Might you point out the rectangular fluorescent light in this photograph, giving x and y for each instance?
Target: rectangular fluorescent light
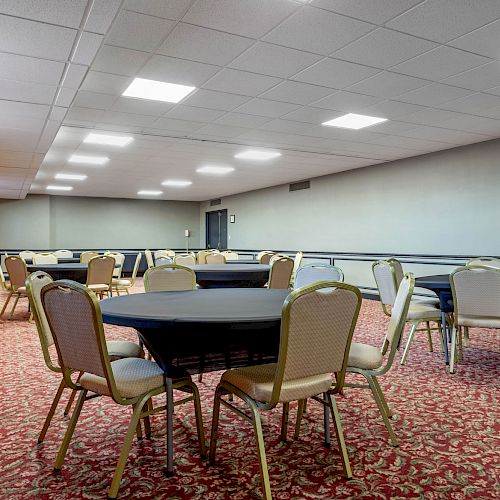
(145, 192)
(213, 169)
(174, 183)
(59, 188)
(157, 91)
(70, 177)
(255, 154)
(354, 121)
(91, 160)
(108, 140)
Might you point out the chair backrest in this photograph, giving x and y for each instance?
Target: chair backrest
(26, 254)
(86, 256)
(185, 259)
(317, 271)
(317, 325)
(297, 261)
(63, 254)
(484, 261)
(3, 283)
(215, 258)
(261, 253)
(169, 278)
(385, 278)
(476, 296)
(164, 253)
(202, 254)
(398, 270)
(230, 255)
(265, 258)
(149, 259)
(100, 270)
(161, 261)
(44, 258)
(34, 284)
(281, 272)
(135, 270)
(119, 260)
(16, 267)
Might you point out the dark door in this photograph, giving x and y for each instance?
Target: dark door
(216, 223)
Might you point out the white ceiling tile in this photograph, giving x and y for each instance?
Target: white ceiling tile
(241, 82)
(141, 106)
(494, 90)
(30, 38)
(375, 11)
(64, 97)
(172, 70)
(57, 113)
(189, 113)
(253, 19)
(405, 142)
(433, 94)
(312, 115)
(334, 73)
(26, 91)
(383, 48)
(138, 31)
(274, 60)
(215, 100)
(105, 83)
(346, 101)
(433, 117)
(23, 110)
(391, 109)
(169, 9)
(440, 63)
(387, 84)
(22, 123)
(297, 92)
(86, 99)
(119, 61)
(30, 69)
(317, 31)
(87, 48)
(456, 137)
(241, 120)
(475, 104)
(74, 76)
(393, 127)
(264, 107)
(216, 130)
(177, 125)
(289, 126)
(442, 20)
(84, 114)
(102, 14)
(203, 44)
(481, 78)
(484, 41)
(475, 124)
(119, 118)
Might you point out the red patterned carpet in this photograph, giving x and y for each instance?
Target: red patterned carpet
(447, 425)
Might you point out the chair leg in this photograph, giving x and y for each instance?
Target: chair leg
(14, 307)
(326, 420)
(429, 336)
(69, 431)
(466, 336)
(170, 426)
(52, 410)
(340, 436)
(460, 346)
(381, 407)
(382, 397)
(301, 408)
(147, 421)
(440, 327)
(215, 426)
(408, 342)
(199, 421)
(453, 349)
(138, 429)
(284, 421)
(5, 304)
(261, 452)
(69, 404)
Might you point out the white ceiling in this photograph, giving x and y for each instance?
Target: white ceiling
(267, 72)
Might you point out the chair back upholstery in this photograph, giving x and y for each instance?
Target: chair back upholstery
(317, 271)
(385, 278)
(63, 254)
(281, 272)
(185, 259)
(34, 284)
(265, 258)
(44, 258)
(476, 296)
(164, 253)
(86, 256)
(161, 261)
(484, 261)
(26, 254)
(169, 278)
(100, 270)
(16, 267)
(202, 254)
(398, 270)
(215, 258)
(149, 259)
(230, 255)
(119, 260)
(297, 261)
(3, 284)
(135, 270)
(317, 325)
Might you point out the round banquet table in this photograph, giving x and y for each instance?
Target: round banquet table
(61, 260)
(71, 271)
(231, 276)
(203, 330)
(243, 261)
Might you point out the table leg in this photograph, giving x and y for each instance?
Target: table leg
(170, 426)
(444, 333)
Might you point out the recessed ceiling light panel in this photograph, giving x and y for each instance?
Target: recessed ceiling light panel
(354, 121)
(214, 169)
(176, 183)
(157, 91)
(109, 140)
(59, 188)
(146, 192)
(90, 160)
(70, 177)
(256, 154)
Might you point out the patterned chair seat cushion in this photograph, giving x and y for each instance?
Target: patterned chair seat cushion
(118, 349)
(364, 356)
(421, 311)
(99, 287)
(121, 282)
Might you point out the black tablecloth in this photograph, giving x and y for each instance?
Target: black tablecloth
(69, 271)
(203, 330)
(440, 284)
(61, 260)
(243, 261)
(231, 276)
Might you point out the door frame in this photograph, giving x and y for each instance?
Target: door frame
(206, 224)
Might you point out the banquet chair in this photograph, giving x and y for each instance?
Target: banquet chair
(86, 256)
(164, 253)
(45, 258)
(128, 382)
(418, 311)
(16, 267)
(215, 258)
(63, 254)
(281, 271)
(149, 259)
(202, 254)
(169, 278)
(297, 261)
(185, 259)
(161, 261)
(317, 271)
(484, 261)
(3, 282)
(119, 261)
(27, 254)
(100, 275)
(476, 299)
(230, 255)
(265, 258)
(316, 331)
(117, 349)
(125, 284)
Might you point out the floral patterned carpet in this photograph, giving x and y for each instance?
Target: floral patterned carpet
(447, 426)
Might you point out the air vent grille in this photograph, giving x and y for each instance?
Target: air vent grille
(297, 186)
(216, 202)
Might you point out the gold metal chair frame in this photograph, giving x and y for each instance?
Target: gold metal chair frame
(16, 291)
(119, 285)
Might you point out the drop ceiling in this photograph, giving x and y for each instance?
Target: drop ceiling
(267, 74)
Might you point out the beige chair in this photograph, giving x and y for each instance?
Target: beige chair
(81, 347)
(44, 258)
(63, 254)
(164, 253)
(16, 267)
(386, 275)
(281, 272)
(149, 259)
(3, 282)
(117, 349)
(230, 255)
(476, 300)
(185, 259)
(316, 331)
(317, 271)
(100, 275)
(215, 258)
(27, 255)
(123, 284)
(161, 261)
(169, 278)
(484, 261)
(297, 261)
(119, 261)
(86, 256)
(202, 254)
(265, 257)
